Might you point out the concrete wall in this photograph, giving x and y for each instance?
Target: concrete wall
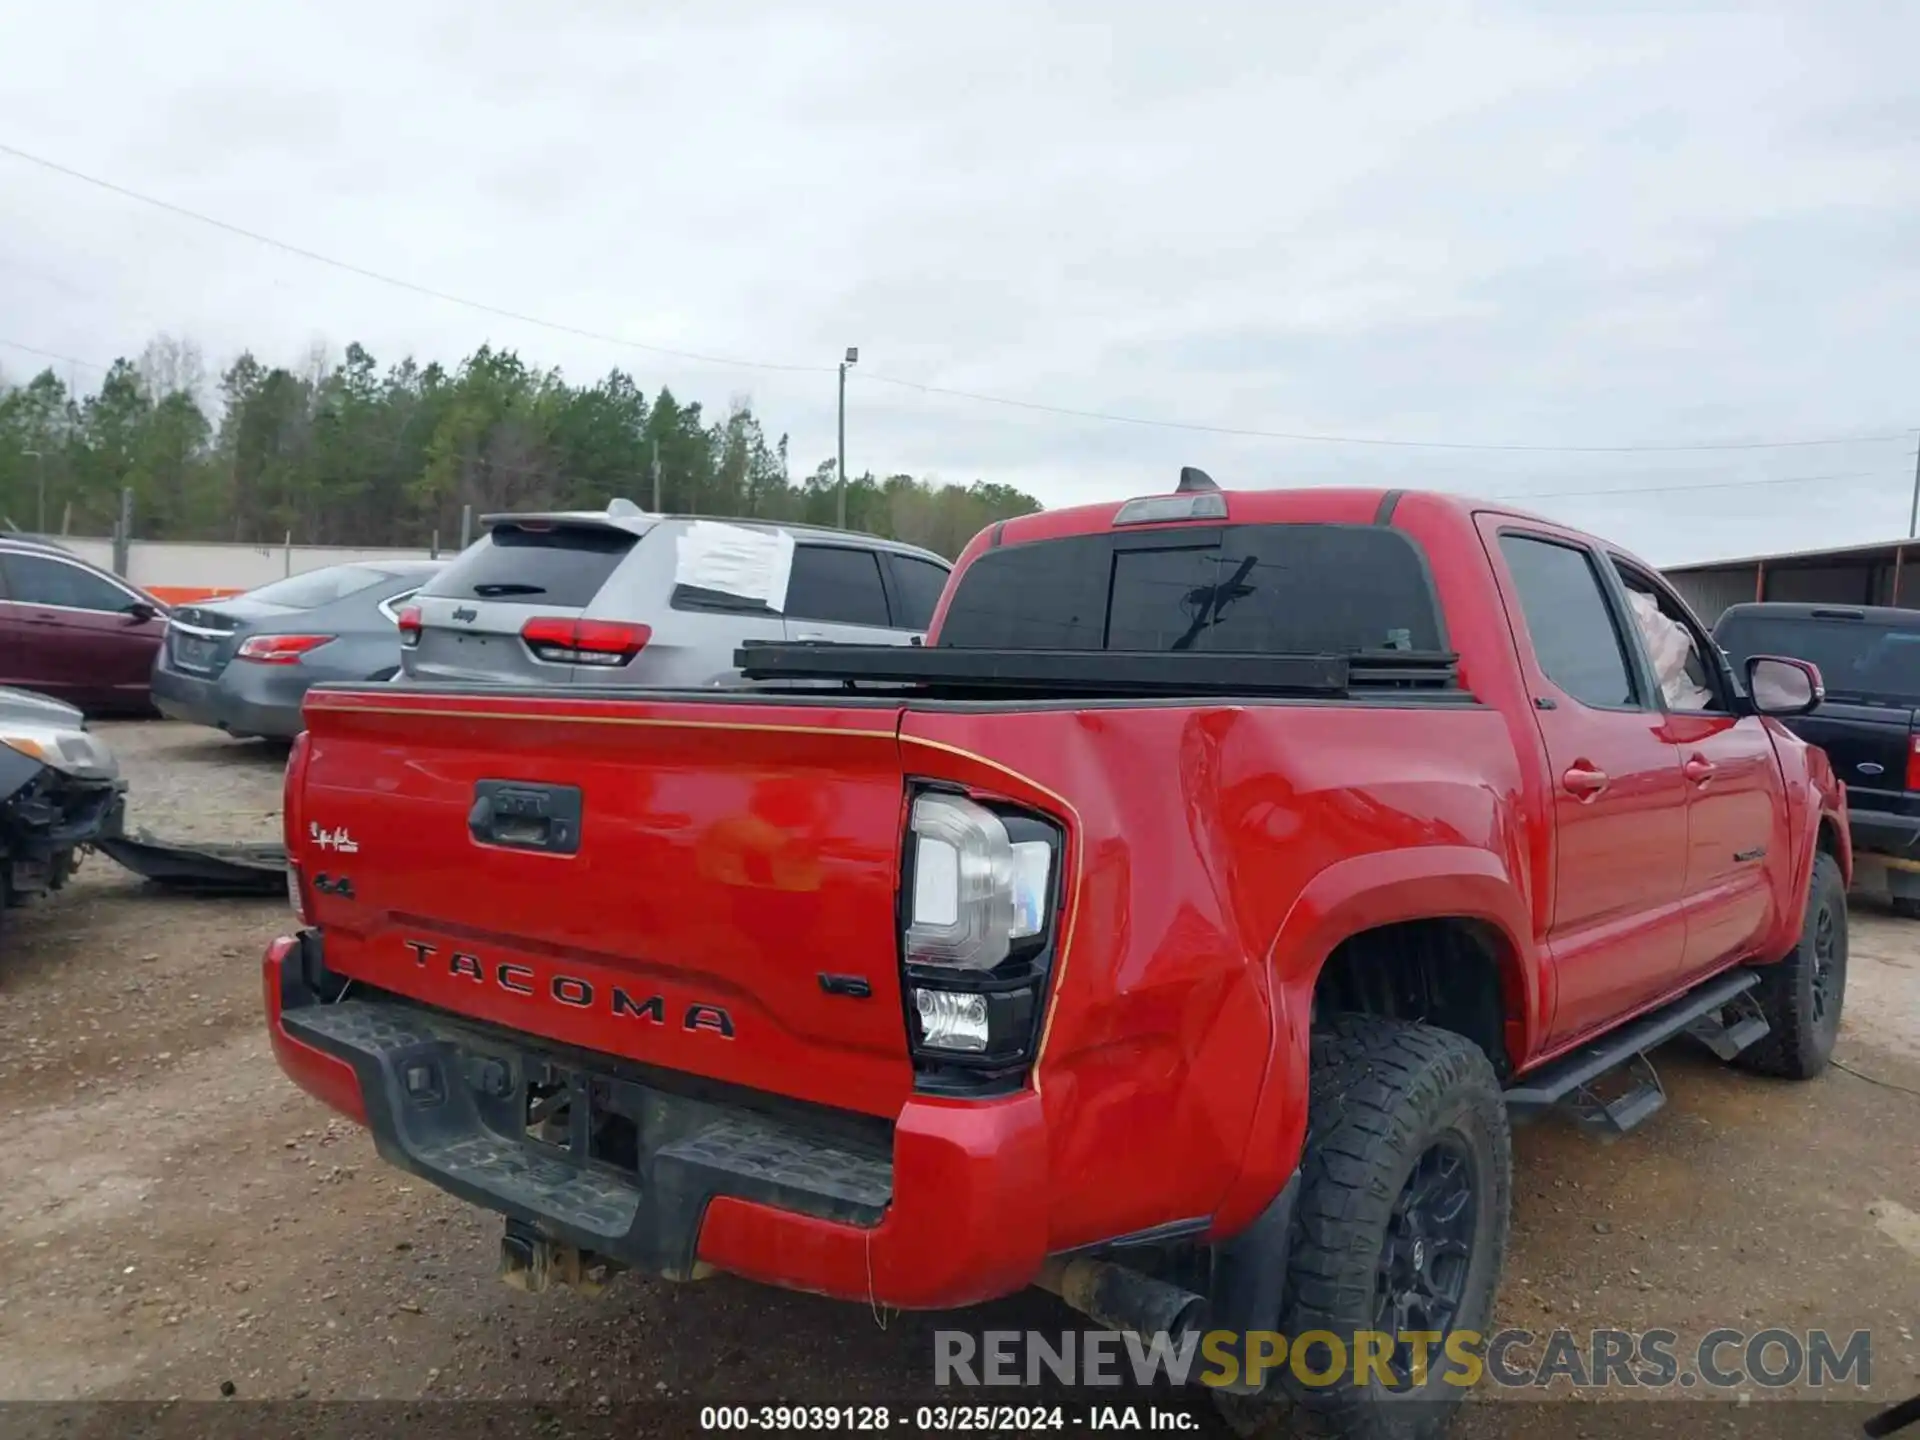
(175, 571)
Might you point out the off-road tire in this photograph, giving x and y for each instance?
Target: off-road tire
(1802, 995)
(1385, 1095)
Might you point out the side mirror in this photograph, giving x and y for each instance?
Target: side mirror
(140, 612)
(1780, 686)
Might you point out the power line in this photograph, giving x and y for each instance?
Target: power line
(53, 355)
(427, 290)
(977, 397)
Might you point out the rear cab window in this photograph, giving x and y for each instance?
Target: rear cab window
(558, 565)
(1279, 588)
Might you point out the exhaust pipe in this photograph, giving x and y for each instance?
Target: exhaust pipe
(1122, 1299)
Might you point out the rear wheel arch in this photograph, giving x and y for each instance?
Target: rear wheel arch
(1442, 900)
(1452, 972)
(1454, 900)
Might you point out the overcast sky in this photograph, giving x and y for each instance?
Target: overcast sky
(1549, 224)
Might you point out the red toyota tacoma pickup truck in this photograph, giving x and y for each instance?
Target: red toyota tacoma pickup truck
(1180, 928)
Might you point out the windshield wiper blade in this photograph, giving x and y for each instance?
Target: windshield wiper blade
(501, 588)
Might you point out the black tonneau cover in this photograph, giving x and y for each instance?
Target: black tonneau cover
(1100, 672)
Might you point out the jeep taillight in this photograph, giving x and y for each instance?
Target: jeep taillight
(978, 901)
(292, 823)
(408, 623)
(585, 642)
(1913, 762)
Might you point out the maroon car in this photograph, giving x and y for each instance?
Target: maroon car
(74, 631)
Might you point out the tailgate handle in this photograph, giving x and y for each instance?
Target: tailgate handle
(523, 815)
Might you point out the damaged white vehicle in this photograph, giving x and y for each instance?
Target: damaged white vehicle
(60, 792)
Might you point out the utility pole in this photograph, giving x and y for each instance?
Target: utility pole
(1913, 513)
(840, 470)
(40, 525)
(656, 477)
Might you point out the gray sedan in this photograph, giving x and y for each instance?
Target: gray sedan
(243, 665)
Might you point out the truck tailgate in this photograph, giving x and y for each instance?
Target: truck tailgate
(725, 857)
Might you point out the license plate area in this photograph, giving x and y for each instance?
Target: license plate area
(195, 652)
(590, 1118)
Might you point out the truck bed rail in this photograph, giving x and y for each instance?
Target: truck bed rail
(1102, 672)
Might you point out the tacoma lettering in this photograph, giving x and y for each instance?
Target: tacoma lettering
(571, 991)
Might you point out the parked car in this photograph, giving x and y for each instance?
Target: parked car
(1176, 929)
(1869, 725)
(74, 631)
(604, 597)
(243, 665)
(60, 791)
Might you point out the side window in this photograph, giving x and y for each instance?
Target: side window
(1569, 620)
(38, 580)
(1675, 645)
(836, 583)
(916, 585)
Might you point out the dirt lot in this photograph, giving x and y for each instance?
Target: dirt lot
(174, 1216)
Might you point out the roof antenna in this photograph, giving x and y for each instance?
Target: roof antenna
(1192, 479)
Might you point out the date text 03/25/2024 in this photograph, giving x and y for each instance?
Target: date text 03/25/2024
(961, 1419)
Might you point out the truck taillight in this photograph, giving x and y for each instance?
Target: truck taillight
(979, 902)
(293, 822)
(409, 626)
(1913, 762)
(585, 642)
(279, 649)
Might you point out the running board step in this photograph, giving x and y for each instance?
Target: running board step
(1570, 1079)
(1609, 1116)
(1733, 1028)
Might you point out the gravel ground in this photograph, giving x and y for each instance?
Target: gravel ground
(175, 1218)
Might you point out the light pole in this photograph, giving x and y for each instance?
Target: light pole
(40, 527)
(840, 469)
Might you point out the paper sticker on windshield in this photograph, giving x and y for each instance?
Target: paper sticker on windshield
(734, 560)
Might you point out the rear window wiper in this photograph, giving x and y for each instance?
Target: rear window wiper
(498, 588)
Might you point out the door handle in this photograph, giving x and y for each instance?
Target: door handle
(1584, 780)
(809, 635)
(1699, 769)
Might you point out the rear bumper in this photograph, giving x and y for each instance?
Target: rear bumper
(244, 699)
(663, 1174)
